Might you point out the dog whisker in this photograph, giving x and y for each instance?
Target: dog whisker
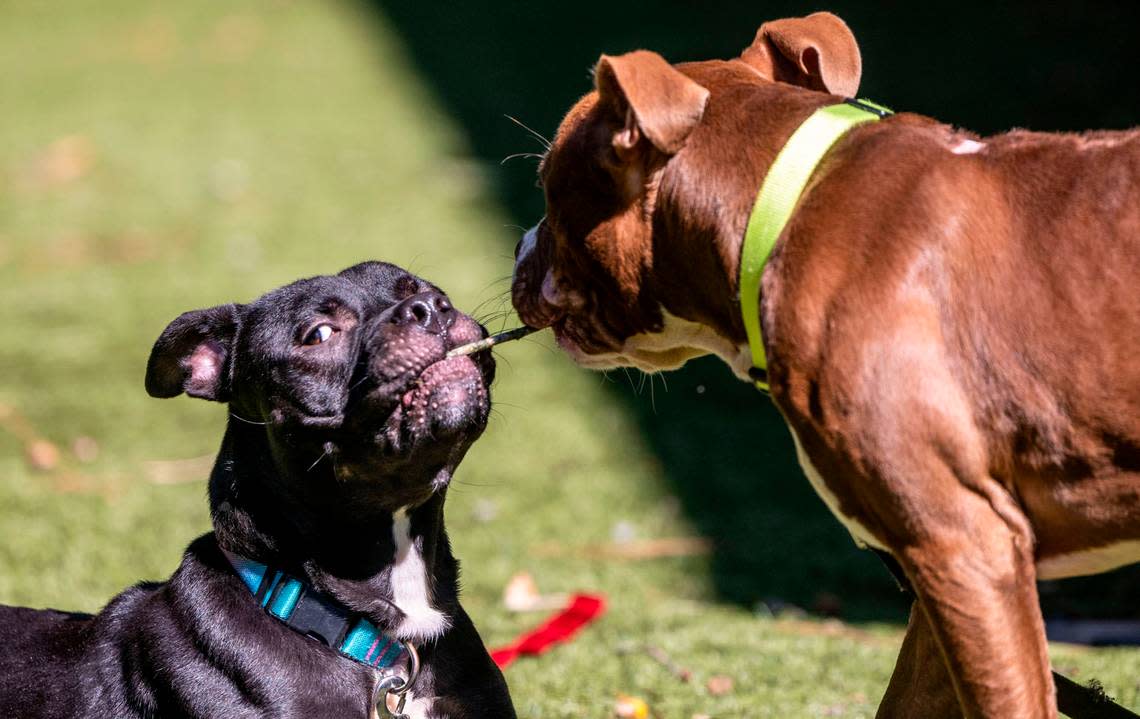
(497, 301)
(503, 360)
(518, 155)
(480, 485)
(629, 378)
(534, 133)
(314, 464)
(359, 382)
(247, 421)
(493, 317)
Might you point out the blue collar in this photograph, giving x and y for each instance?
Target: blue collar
(317, 615)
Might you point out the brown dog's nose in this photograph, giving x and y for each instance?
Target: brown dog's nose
(430, 310)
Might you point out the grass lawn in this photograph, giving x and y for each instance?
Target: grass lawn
(156, 158)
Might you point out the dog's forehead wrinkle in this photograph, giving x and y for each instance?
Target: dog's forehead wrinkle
(385, 284)
(372, 273)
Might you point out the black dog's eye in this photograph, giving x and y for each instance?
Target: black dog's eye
(320, 333)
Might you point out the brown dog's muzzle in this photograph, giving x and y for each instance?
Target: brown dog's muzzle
(532, 289)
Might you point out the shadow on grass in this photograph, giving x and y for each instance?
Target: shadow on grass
(727, 455)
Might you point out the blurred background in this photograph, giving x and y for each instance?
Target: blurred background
(159, 157)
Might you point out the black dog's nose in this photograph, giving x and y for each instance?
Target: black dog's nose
(430, 310)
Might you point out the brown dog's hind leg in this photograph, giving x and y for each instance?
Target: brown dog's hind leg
(920, 685)
(975, 579)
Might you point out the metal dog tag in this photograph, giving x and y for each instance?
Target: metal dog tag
(397, 686)
(385, 688)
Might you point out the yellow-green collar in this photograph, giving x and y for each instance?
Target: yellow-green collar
(778, 196)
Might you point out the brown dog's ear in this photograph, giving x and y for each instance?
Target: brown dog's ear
(192, 355)
(817, 52)
(652, 98)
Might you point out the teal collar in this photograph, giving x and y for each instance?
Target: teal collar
(781, 190)
(316, 615)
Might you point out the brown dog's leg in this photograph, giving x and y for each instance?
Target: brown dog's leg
(920, 685)
(975, 579)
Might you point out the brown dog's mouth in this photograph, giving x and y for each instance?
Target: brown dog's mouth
(582, 337)
(563, 338)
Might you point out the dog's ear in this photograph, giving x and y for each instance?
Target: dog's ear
(651, 99)
(192, 355)
(817, 52)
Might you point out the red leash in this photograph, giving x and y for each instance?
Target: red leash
(579, 612)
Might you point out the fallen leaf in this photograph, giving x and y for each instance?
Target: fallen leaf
(64, 161)
(85, 449)
(521, 595)
(627, 707)
(41, 455)
(719, 685)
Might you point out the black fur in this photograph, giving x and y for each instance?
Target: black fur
(325, 442)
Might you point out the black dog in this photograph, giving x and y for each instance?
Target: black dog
(346, 423)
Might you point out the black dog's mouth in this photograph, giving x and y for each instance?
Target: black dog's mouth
(411, 398)
(411, 431)
(448, 394)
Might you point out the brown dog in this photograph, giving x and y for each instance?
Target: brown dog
(951, 324)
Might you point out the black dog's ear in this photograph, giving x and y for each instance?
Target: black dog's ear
(192, 355)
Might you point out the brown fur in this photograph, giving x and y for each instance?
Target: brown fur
(951, 329)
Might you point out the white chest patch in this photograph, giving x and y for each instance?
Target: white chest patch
(410, 590)
(859, 533)
(679, 341)
(1089, 561)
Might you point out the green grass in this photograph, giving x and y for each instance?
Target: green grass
(218, 152)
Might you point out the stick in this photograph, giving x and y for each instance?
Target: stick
(489, 342)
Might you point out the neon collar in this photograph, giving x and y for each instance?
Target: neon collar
(778, 196)
(316, 615)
